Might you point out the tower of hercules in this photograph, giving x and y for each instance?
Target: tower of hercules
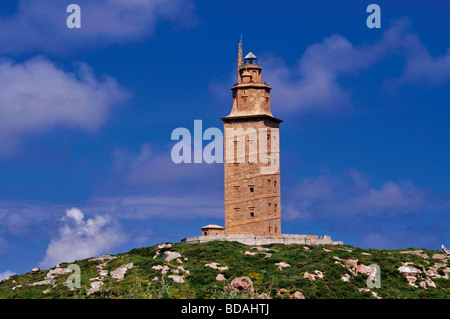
(251, 152)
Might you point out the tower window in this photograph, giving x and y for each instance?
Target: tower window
(236, 191)
(252, 214)
(252, 189)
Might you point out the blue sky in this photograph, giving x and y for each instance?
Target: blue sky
(86, 117)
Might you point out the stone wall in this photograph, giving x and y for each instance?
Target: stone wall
(249, 239)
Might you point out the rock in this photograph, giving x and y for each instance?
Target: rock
(220, 277)
(415, 252)
(282, 265)
(170, 255)
(367, 254)
(164, 269)
(156, 254)
(327, 250)
(57, 272)
(176, 278)
(346, 278)
(250, 253)
(308, 275)
(95, 286)
(155, 279)
(216, 266)
(364, 289)
(318, 273)
(298, 295)
(36, 269)
(263, 296)
(103, 274)
(375, 295)
(306, 248)
(440, 256)
(240, 284)
(408, 270)
(120, 272)
(263, 248)
(353, 262)
(179, 261)
(162, 246)
(282, 291)
(49, 281)
(430, 283)
(102, 258)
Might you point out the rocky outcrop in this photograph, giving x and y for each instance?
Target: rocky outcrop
(282, 265)
(215, 265)
(120, 272)
(317, 274)
(170, 255)
(241, 284)
(412, 272)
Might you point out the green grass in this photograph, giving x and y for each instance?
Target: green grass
(266, 277)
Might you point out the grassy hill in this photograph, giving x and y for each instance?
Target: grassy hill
(275, 271)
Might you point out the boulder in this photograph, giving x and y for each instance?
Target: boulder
(162, 246)
(297, 295)
(57, 272)
(282, 265)
(177, 278)
(241, 284)
(308, 275)
(216, 266)
(164, 269)
(102, 258)
(170, 255)
(95, 286)
(120, 272)
(220, 277)
(415, 252)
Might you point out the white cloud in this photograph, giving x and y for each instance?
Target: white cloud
(41, 24)
(352, 194)
(6, 274)
(314, 83)
(170, 206)
(37, 96)
(79, 238)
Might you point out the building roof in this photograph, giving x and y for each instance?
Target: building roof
(213, 226)
(250, 55)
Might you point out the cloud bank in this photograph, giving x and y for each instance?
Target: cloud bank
(351, 194)
(79, 238)
(40, 25)
(38, 96)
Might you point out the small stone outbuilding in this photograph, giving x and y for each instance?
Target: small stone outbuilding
(213, 230)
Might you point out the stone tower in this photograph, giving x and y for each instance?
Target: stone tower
(251, 142)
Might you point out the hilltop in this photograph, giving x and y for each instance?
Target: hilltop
(233, 270)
